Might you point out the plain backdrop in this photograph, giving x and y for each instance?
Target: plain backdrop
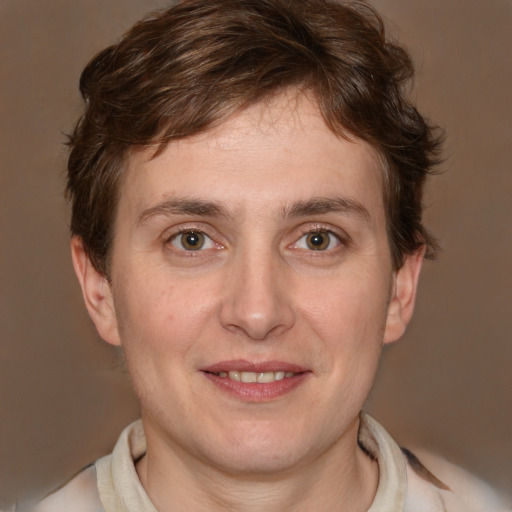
(447, 385)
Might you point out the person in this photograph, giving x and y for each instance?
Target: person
(246, 189)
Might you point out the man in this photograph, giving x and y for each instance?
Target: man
(246, 188)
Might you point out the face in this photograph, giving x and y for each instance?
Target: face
(252, 288)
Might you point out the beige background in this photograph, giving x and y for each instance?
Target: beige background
(447, 385)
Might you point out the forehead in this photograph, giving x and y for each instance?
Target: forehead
(276, 152)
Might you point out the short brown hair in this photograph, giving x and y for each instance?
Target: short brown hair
(186, 69)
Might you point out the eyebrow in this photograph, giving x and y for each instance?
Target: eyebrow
(314, 206)
(323, 205)
(183, 206)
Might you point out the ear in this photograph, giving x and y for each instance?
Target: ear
(403, 297)
(96, 292)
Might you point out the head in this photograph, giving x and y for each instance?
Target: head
(246, 185)
(186, 70)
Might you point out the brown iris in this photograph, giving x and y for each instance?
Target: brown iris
(192, 240)
(318, 241)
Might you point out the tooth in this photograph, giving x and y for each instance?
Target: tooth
(234, 375)
(266, 377)
(248, 377)
(251, 377)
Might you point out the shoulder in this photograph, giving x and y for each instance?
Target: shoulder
(80, 494)
(421, 481)
(108, 484)
(433, 477)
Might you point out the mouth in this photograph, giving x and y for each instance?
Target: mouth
(256, 382)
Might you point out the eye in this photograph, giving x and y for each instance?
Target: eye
(318, 241)
(192, 241)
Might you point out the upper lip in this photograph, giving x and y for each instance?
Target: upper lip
(257, 367)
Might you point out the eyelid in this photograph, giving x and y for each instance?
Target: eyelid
(324, 228)
(185, 227)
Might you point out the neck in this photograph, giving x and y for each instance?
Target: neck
(342, 478)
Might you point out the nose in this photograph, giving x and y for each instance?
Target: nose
(256, 299)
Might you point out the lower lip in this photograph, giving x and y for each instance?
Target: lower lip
(254, 392)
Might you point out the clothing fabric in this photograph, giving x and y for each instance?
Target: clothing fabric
(405, 485)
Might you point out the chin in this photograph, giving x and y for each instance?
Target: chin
(258, 451)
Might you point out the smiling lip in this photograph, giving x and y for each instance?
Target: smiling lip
(256, 382)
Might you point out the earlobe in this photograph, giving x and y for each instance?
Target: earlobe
(96, 292)
(401, 305)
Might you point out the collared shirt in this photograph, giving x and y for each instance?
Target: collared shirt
(405, 485)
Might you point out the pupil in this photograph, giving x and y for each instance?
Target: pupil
(193, 240)
(318, 241)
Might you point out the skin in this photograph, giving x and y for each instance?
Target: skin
(255, 291)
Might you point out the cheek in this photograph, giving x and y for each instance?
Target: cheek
(347, 309)
(161, 311)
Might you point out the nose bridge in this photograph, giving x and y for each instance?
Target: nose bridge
(256, 302)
